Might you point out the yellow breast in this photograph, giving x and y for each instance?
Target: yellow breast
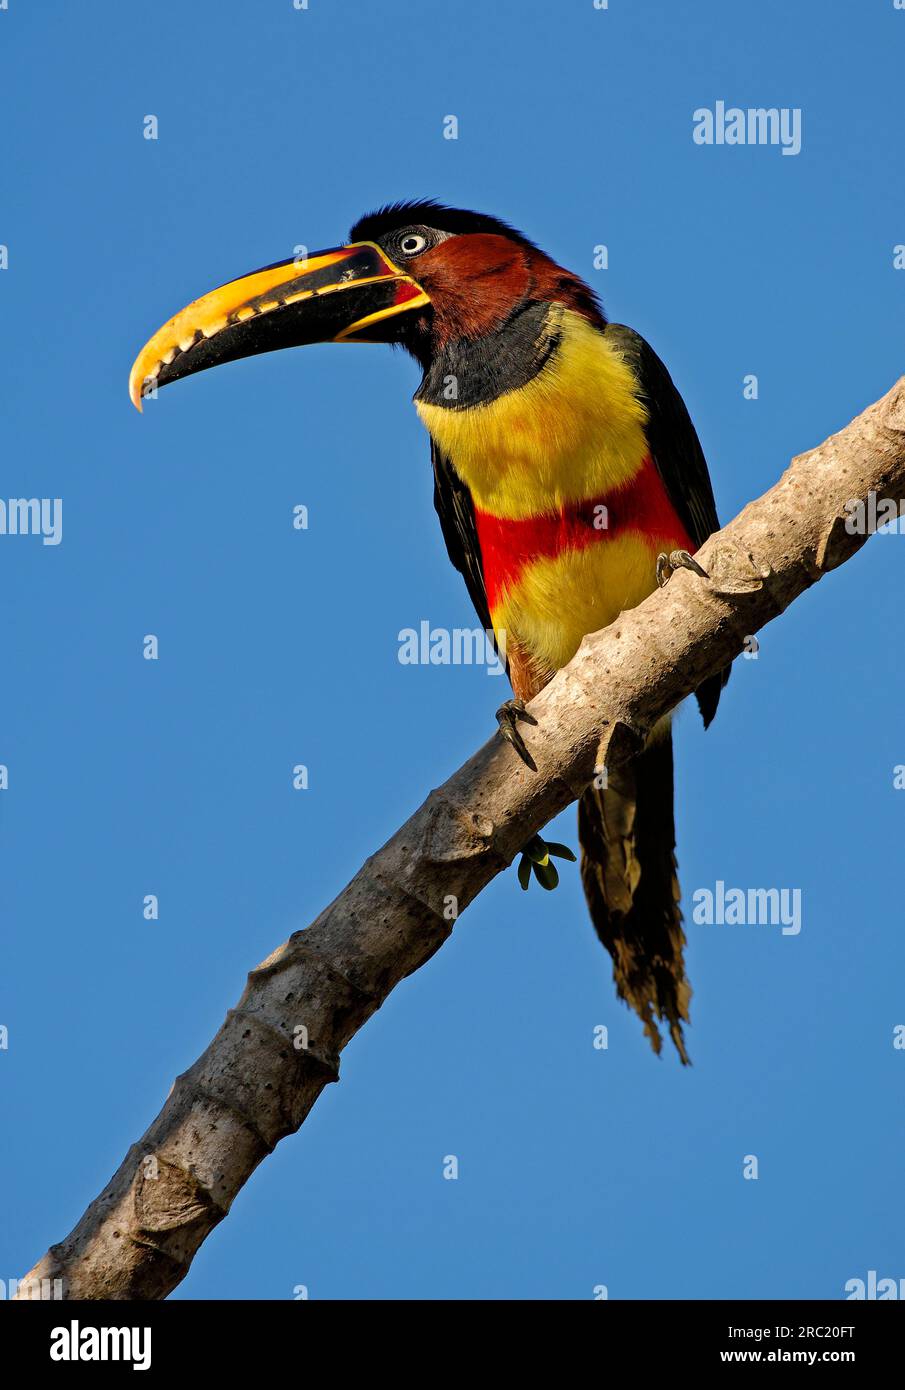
(575, 430)
(559, 598)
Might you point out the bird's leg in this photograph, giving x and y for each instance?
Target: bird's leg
(508, 716)
(676, 560)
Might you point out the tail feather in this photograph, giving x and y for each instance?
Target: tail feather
(628, 870)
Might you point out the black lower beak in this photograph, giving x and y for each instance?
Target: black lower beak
(341, 295)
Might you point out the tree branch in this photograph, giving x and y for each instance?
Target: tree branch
(280, 1046)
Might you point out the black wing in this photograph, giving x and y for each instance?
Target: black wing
(455, 509)
(674, 444)
(679, 459)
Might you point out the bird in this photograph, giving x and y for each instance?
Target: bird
(568, 480)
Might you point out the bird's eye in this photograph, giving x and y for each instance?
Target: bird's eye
(412, 243)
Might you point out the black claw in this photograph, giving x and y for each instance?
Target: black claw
(515, 709)
(680, 559)
(507, 717)
(677, 560)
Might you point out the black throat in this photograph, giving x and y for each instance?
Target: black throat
(469, 372)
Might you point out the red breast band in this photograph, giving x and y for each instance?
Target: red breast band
(641, 505)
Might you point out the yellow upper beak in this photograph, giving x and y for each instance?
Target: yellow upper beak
(330, 296)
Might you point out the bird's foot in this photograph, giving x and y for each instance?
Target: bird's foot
(508, 716)
(536, 857)
(676, 560)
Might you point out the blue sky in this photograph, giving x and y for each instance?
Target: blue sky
(578, 1167)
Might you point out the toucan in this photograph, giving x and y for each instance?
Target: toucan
(568, 479)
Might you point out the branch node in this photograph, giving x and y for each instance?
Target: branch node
(296, 949)
(837, 545)
(734, 569)
(325, 1060)
(170, 1199)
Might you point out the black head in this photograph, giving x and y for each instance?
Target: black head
(388, 224)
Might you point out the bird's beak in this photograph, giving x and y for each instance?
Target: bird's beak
(331, 296)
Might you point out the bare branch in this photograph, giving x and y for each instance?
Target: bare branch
(280, 1046)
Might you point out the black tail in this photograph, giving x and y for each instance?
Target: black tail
(628, 869)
